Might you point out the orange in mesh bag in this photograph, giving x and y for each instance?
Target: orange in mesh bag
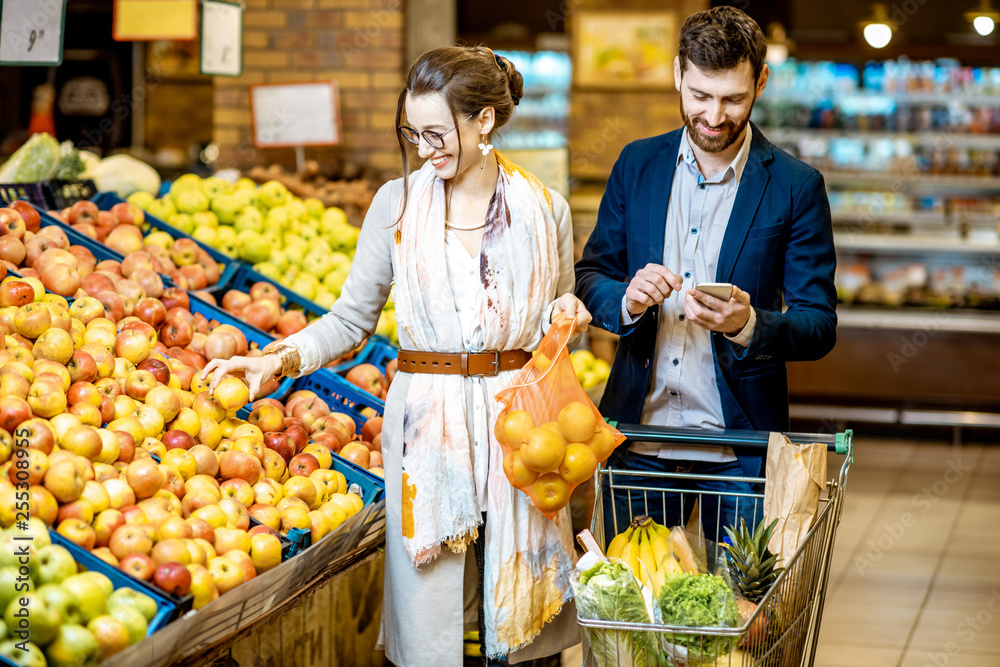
(552, 435)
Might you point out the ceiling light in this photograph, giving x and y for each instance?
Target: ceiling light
(984, 18)
(878, 29)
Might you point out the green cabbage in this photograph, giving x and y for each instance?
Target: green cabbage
(71, 164)
(700, 601)
(608, 591)
(37, 160)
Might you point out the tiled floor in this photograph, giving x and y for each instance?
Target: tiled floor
(916, 578)
(916, 572)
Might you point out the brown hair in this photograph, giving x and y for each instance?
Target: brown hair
(722, 38)
(470, 78)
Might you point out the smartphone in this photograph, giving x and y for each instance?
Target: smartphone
(723, 291)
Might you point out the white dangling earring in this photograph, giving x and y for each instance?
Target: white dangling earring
(485, 148)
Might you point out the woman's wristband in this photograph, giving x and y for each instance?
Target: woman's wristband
(288, 356)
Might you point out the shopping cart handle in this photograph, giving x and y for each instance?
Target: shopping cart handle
(836, 442)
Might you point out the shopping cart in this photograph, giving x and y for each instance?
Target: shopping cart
(785, 625)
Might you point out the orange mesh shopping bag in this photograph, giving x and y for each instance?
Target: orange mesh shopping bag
(552, 435)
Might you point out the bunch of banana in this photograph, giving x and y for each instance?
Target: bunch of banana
(650, 544)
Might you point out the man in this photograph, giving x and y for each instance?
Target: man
(712, 202)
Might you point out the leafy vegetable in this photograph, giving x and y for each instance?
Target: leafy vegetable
(700, 600)
(124, 175)
(608, 591)
(37, 160)
(71, 164)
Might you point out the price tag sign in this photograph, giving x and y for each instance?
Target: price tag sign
(287, 115)
(31, 32)
(151, 20)
(221, 38)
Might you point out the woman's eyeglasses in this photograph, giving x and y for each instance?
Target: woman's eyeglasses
(433, 139)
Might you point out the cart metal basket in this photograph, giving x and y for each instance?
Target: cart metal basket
(784, 628)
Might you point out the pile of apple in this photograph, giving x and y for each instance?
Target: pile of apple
(297, 243)
(314, 427)
(187, 264)
(71, 618)
(369, 378)
(262, 308)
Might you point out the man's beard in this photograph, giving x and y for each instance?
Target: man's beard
(718, 143)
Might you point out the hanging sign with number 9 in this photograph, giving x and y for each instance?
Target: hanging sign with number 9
(31, 32)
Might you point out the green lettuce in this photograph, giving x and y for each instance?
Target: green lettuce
(700, 601)
(37, 160)
(608, 591)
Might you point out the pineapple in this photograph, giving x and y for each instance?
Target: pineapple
(751, 565)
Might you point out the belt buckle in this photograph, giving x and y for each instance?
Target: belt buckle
(495, 362)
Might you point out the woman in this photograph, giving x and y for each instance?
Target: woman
(476, 251)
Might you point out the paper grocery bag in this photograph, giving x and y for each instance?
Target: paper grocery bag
(796, 475)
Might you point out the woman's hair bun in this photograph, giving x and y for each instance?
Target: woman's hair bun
(515, 82)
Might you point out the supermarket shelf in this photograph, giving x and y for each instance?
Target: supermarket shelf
(909, 245)
(815, 97)
(862, 217)
(918, 319)
(915, 182)
(941, 139)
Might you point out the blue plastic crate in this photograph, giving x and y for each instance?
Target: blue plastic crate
(33, 193)
(48, 195)
(377, 350)
(339, 393)
(288, 546)
(168, 606)
(105, 200)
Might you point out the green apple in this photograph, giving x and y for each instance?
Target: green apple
(314, 207)
(324, 299)
(333, 218)
(254, 248)
(295, 254)
(41, 618)
(274, 241)
(334, 281)
(249, 218)
(12, 585)
(134, 621)
(102, 580)
(272, 194)
(3, 629)
(63, 600)
(279, 258)
(56, 564)
(245, 184)
(304, 287)
(37, 531)
(191, 201)
(12, 651)
(185, 183)
(225, 234)
(74, 646)
(296, 209)
(128, 597)
(160, 238)
(340, 261)
(229, 248)
(182, 222)
(278, 218)
(246, 197)
(90, 593)
(226, 207)
(309, 234)
(205, 219)
(140, 199)
(268, 270)
(386, 325)
(13, 553)
(345, 236)
(317, 263)
(205, 235)
(162, 209)
(214, 187)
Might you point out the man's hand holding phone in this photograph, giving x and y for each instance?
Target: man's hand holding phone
(650, 286)
(705, 306)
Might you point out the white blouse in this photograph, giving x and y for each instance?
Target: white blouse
(466, 288)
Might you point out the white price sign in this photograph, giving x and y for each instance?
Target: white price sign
(221, 38)
(31, 32)
(286, 115)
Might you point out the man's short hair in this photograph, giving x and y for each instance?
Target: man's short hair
(720, 39)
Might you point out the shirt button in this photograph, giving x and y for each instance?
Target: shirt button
(680, 317)
(694, 231)
(676, 361)
(467, 342)
(701, 187)
(673, 393)
(472, 273)
(687, 274)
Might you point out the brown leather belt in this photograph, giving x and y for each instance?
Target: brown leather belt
(462, 363)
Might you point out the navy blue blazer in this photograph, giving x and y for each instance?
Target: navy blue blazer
(778, 247)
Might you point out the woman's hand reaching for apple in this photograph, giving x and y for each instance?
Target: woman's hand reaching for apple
(256, 370)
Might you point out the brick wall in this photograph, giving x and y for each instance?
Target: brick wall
(179, 113)
(357, 43)
(602, 122)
